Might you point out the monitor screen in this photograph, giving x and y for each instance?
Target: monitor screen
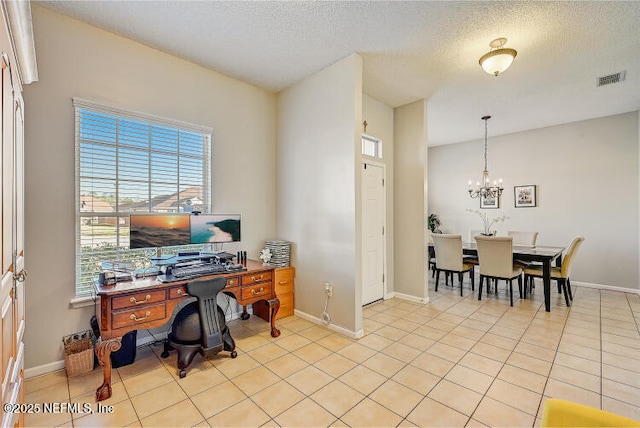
(207, 228)
(159, 230)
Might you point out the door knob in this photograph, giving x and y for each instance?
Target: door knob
(20, 276)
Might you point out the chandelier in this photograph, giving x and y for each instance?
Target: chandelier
(499, 58)
(486, 190)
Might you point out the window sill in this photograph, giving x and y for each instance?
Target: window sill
(82, 302)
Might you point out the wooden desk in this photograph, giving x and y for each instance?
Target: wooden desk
(146, 303)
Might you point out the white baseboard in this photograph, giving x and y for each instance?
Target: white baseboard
(606, 287)
(338, 329)
(141, 340)
(415, 299)
(44, 369)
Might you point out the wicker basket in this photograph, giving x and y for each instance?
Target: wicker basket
(78, 353)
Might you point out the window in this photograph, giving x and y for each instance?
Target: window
(371, 146)
(129, 162)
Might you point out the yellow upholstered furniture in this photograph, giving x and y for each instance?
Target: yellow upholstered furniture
(562, 413)
(560, 274)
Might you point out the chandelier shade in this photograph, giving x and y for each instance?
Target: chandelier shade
(484, 188)
(499, 58)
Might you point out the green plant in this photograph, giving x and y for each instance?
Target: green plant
(434, 223)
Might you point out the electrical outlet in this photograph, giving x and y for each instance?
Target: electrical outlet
(328, 289)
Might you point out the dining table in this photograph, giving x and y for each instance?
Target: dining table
(540, 254)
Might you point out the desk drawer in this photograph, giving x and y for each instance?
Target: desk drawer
(178, 292)
(142, 298)
(284, 281)
(258, 290)
(232, 282)
(286, 305)
(138, 316)
(256, 278)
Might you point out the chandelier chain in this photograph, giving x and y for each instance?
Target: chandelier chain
(484, 189)
(485, 142)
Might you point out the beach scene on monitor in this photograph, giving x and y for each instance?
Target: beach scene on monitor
(207, 228)
(159, 230)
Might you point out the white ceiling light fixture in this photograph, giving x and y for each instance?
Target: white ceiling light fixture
(499, 58)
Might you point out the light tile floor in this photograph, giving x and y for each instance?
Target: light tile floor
(455, 361)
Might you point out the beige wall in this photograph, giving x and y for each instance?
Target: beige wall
(588, 184)
(319, 127)
(410, 143)
(379, 117)
(78, 60)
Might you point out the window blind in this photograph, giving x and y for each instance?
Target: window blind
(128, 162)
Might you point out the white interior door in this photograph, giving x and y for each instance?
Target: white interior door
(373, 223)
(12, 293)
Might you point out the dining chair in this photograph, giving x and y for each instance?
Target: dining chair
(448, 248)
(432, 254)
(523, 239)
(472, 235)
(560, 274)
(432, 260)
(495, 254)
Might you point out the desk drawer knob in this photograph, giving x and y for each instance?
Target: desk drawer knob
(257, 278)
(254, 291)
(136, 302)
(180, 291)
(283, 282)
(135, 318)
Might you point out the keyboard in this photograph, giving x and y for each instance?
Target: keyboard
(192, 271)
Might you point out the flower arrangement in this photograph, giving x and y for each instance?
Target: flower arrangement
(265, 256)
(488, 222)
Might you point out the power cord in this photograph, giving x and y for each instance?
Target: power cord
(328, 291)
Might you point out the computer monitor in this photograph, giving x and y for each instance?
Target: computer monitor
(213, 228)
(159, 230)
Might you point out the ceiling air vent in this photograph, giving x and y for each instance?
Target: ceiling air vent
(611, 78)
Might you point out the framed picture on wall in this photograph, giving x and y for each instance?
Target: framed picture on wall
(524, 196)
(489, 202)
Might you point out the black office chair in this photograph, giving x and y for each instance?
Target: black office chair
(200, 326)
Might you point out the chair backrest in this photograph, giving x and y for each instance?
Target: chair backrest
(474, 233)
(523, 239)
(495, 255)
(206, 291)
(567, 260)
(448, 251)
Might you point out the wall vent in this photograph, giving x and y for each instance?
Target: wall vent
(611, 78)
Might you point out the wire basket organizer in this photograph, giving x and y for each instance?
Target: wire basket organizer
(78, 353)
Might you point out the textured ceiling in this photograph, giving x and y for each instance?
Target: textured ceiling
(411, 51)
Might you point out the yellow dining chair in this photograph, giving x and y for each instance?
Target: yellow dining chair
(561, 413)
(449, 258)
(560, 274)
(495, 254)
